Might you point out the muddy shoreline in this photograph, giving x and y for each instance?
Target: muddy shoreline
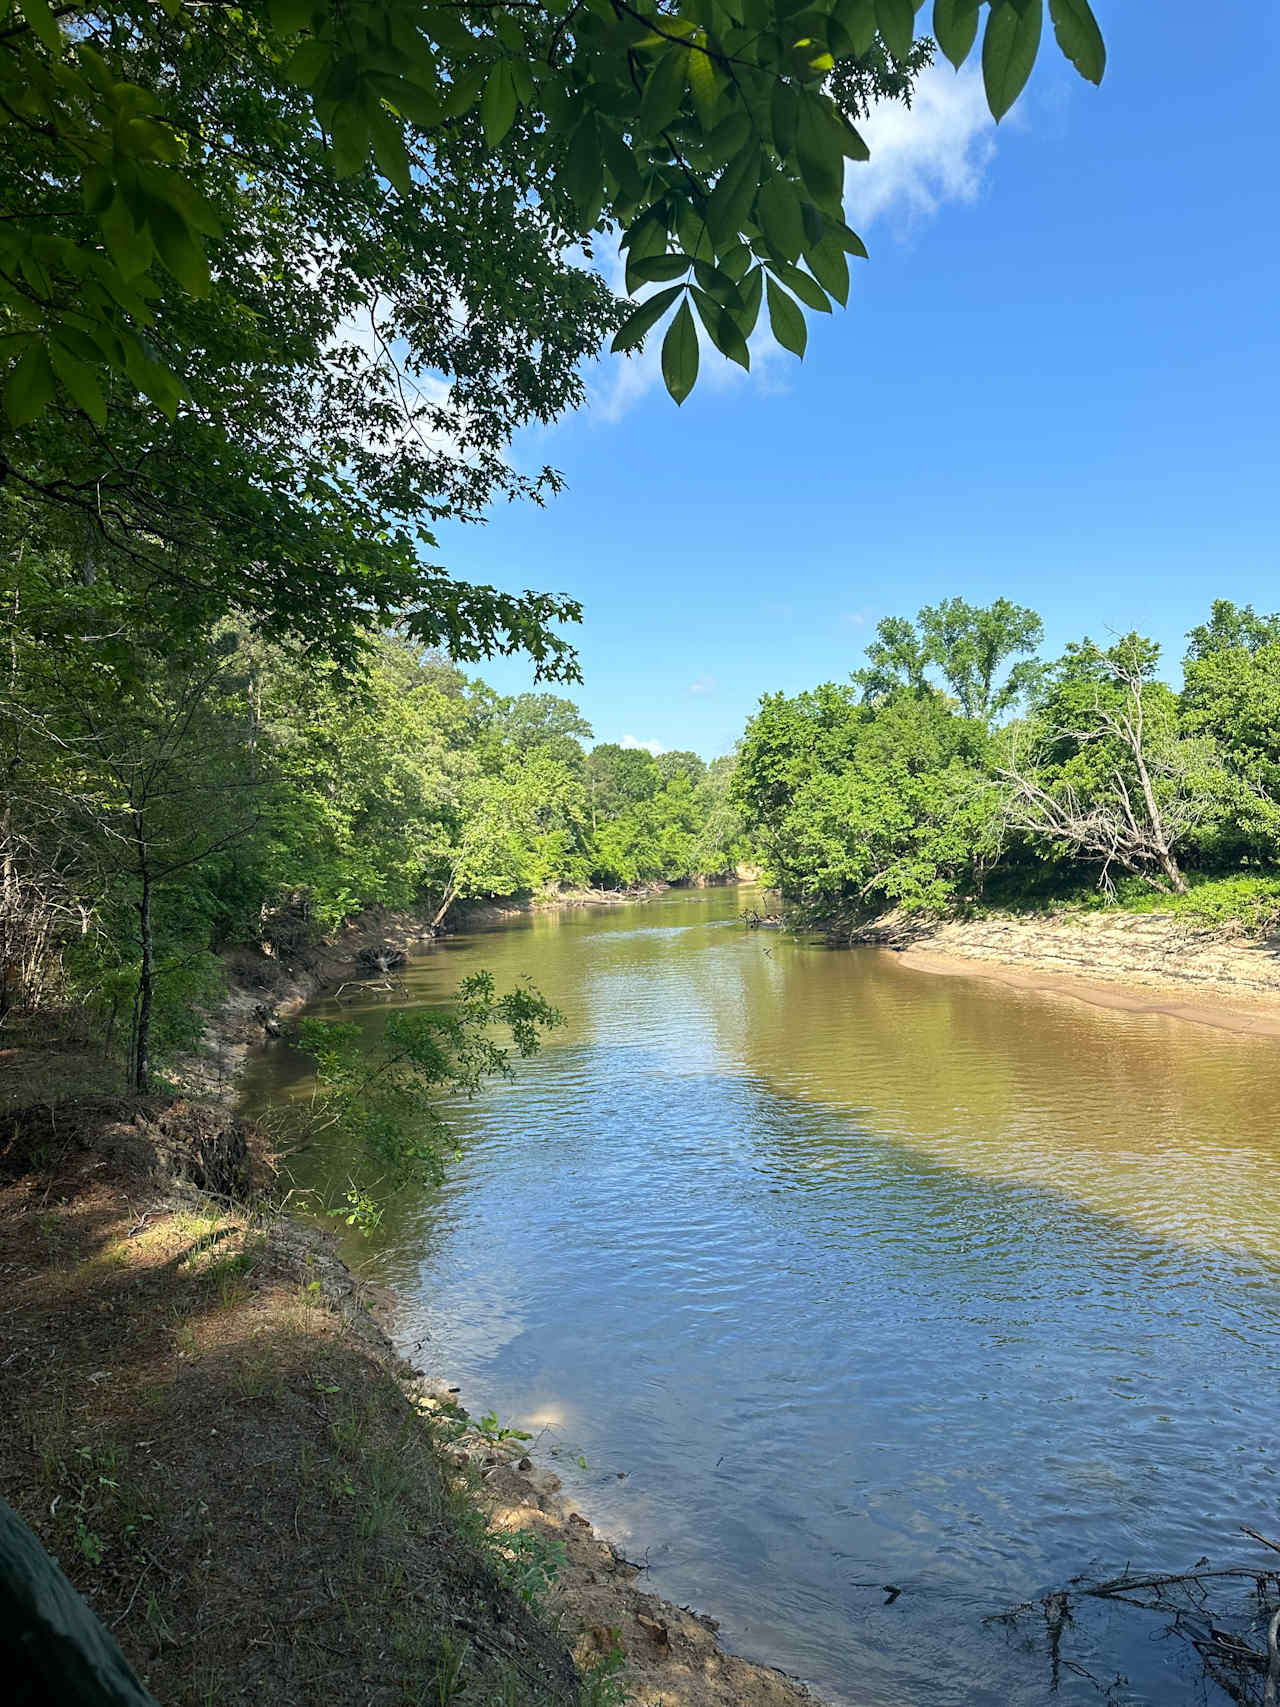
(672, 1656)
(1153, 963)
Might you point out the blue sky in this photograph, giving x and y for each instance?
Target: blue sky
(1057, 379)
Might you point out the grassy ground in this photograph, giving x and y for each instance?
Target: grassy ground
(1247, 900)
(199, 1420)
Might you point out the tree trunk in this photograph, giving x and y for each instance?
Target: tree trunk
(146, 970)
(450, 896)
(1168, 864)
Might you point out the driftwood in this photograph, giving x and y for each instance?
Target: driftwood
(1238, 1642)
(755, 921)
(382, 957)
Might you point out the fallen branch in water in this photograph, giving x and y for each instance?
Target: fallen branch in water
(1226, 1637)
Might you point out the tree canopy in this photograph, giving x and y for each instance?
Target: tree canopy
(893, 790)
(279, 281)
(969, 645)
(162, 805)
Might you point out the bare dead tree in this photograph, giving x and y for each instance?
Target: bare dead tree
(1151, 803)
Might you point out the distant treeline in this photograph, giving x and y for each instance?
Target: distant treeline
(958, 767)
(169, 789)
(162, 798)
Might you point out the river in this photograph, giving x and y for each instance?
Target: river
(817, 1277)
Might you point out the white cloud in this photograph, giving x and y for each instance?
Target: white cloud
(632, 745)
(935, 152)
(704, 684)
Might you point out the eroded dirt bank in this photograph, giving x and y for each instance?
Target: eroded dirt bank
(203, 1416)
(1139, 962)
(266, 986)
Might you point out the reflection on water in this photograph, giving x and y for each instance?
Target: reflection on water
(863, 1278)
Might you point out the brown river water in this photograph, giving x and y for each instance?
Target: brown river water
(816, 1277)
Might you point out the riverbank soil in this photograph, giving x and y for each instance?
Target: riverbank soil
(203, 1422)
(1141, 962)
(198, 1424)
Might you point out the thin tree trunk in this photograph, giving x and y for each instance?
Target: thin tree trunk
(450, 896)
(146, 970)
(1168, 864)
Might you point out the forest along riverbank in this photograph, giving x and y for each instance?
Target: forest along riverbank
(717, 1236)
(1220, 975)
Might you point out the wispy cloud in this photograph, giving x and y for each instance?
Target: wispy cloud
(936, 152)
(704, 684)
(632, 745)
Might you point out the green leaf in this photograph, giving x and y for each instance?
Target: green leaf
(721, 327)
(955, 24)
(30, 386)
(308, 62)
(857, 18)
(1009, 49)
(582, 175)
(734, 261)
(783, 117)
(729, 137)
(716, 283)
(152, 379)
(808, 290)
(1079, 37)
(620, 161)
(39, 15)
(778, 209)
(289, 16)
(129, 245)
(828, 265)
(444, 25)
(350, 140)
(98, 187)
(465, 89)
(819, 150)
(653, 269)
(389, 152)
(412, 102)
(848, 239)
(510, 34)
(896, 20)
(180, 249)
(80, 382)
(664, 93)
(704, 86)
(852, 144)
(750, 293)
(498, 104)
(729, 205)
(647, 234)
(680, 354)
(638, 322)
(787, 321)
